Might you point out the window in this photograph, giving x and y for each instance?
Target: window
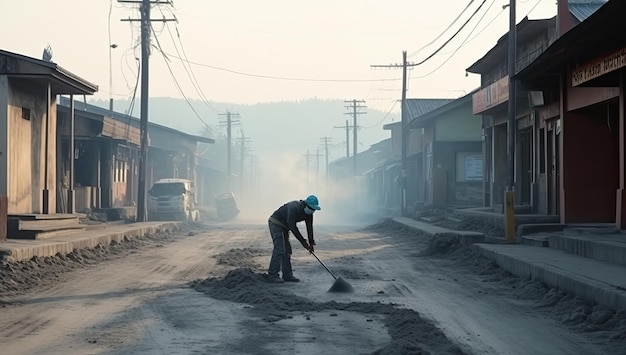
(469, 167)
(26, 113)
(120, 172)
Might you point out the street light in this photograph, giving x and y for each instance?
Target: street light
(111, 46)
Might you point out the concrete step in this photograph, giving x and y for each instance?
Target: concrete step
(38, 226)
(39, 234)
(464, 237)
(535, 240)
(593, 280)
(16, 223)
(495, 240)
(605, 247)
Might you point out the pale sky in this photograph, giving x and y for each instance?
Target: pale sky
(253, 51)
(333, 42)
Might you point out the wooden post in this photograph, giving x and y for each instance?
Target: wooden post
(3, 217)
(509, 216)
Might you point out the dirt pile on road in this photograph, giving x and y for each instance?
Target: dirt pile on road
(409, 332)
(242, 257)
(575, 312)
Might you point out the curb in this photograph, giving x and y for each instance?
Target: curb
(538, 267)
(25, 250)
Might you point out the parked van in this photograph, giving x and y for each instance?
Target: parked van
(226, 206)
(172, 199)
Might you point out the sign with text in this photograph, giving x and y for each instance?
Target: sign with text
(598, 67)
(491, 96)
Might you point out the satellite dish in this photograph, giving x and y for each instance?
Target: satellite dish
(47, 54)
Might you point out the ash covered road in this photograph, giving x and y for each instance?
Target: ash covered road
(204, 292)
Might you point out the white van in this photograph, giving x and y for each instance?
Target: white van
(172, 199)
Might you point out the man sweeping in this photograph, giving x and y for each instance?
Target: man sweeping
(281, 222)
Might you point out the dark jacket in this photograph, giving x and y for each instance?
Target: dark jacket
(291, 213)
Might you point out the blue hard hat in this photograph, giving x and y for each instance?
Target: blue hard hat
(312, 202)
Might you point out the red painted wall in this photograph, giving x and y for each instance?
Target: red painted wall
(590, 164)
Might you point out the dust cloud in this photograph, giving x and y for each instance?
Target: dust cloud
(286, 177)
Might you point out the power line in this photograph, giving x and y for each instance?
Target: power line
(467, 39)
(460, 46)
(135, 42)
(451, 38)
(444, 31)
(180, 90)
(206, 101)
(189, 71)
(384, 118)
(282, 78)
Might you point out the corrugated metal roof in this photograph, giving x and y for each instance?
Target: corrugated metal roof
(131, 120)
(425, 118)
(581, 9)
(418, 107)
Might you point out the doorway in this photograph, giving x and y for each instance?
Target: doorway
(553, 154)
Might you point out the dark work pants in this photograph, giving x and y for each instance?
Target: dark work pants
(281, 255)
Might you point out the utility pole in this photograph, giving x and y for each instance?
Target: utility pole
(230, 119)
(244, 140)
(146, 25)
(347, 141)
(509, 195)
(308, 157)
(404, 124)
(326, 140)
(355, 105)
(347, 128)
(317, 170)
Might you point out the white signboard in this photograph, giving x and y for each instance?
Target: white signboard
(474, 168)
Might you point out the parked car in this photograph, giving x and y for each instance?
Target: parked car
(173, 199)
(226, 206)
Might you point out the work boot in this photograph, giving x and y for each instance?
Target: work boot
(274, 279)
(291, 278)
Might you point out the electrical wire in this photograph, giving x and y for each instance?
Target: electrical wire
(135, 42)
(451, 38)
(444, 31)
(193, 76)
(384, 118)
(489, 24)
(180, 90)
(281, 78)
(189, 71)
(467, 39)
(459, 47)
(131, 105)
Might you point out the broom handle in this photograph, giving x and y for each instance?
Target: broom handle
(326, 267)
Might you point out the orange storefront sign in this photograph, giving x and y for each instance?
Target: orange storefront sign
(491, 96)
(599, 67)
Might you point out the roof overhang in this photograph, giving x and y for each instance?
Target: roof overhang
(527, 30)
(590, 39)
(427, 118)
(62, 81)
